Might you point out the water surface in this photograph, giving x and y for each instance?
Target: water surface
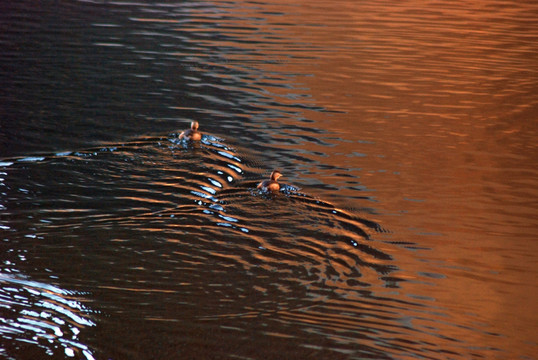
(405, 133)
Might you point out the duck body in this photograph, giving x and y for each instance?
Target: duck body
(271, 185)
(191, 134)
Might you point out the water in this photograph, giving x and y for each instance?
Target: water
(406, 135)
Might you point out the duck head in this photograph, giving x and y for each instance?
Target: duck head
(275, 175)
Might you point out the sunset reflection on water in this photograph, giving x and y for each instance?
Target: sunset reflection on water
(407, 134)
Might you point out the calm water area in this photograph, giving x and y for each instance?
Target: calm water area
(406, 133)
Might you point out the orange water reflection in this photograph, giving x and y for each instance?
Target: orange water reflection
(434, 108)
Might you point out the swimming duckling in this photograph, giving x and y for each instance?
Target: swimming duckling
(192, 133)
(271, 185)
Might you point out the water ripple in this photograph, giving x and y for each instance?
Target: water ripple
(42, 315)
(421, 109)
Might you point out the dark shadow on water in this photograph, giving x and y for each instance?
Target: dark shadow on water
(186, 235)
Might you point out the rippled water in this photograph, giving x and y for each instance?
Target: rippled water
(405, 134)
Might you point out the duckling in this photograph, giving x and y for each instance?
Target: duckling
(272, 184)
(192, 133)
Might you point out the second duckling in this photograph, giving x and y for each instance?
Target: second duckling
(271, 185)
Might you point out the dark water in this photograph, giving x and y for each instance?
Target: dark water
(406, 134)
